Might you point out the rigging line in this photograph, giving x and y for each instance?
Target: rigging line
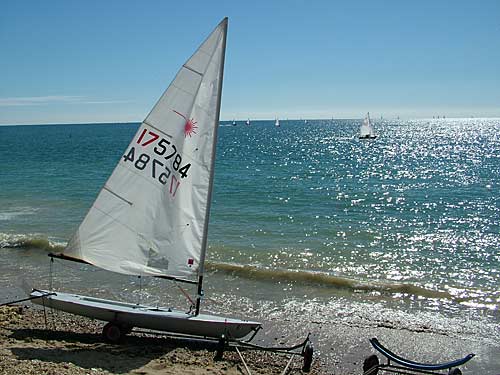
(185, 293)
(140, 290)
(51, 274)
(44, 313)
(27, 299)
(51, 287)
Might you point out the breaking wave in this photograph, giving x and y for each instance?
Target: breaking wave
(20, 241)
(320, 279)
(325, 280)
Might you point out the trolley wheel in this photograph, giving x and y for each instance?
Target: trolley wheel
(308, 357)
(221, 345)
(371, 363)
(112, 333)
(454, 371)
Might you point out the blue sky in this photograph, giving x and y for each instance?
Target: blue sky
(109, 61)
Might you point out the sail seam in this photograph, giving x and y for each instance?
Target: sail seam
(116, 220)
(193, 95)
(116, 195)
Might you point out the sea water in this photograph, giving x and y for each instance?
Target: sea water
(305, 217)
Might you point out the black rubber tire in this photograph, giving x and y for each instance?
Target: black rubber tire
(112, 333)
(369, 363)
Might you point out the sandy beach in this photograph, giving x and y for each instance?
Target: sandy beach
(67, 344)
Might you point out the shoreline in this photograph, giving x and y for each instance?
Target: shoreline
(32, 342)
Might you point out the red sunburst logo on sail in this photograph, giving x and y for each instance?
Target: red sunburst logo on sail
(189, 126)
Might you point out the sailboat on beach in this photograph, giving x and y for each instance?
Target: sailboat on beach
(366, 130)
(151, 217)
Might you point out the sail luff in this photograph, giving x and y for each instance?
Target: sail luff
(201, 268)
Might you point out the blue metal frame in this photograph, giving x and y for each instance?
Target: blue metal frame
(408, 365)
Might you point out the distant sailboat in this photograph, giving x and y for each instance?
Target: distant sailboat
(234, 122)
(277, 122)
(366, 129)
(151, 216)
(248, 121)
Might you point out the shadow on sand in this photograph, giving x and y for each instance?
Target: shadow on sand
(89, 351)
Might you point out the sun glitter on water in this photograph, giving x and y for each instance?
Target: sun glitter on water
(189, 126)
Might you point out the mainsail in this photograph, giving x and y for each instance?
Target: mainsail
(151, 216)
(366, 129)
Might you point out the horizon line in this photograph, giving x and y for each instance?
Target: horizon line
(257, 119)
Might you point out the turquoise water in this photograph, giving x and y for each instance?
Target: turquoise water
(307, 222)
(413, 214)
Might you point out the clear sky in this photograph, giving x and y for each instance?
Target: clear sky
(109, 61)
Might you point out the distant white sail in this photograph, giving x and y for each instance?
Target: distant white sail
(277, 122)
(366, 128)
(151, 216)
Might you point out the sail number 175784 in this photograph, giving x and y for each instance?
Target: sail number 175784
(158, 168)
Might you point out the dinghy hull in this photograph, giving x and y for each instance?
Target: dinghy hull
(132, 315)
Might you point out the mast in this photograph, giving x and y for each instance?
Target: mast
(212, 172)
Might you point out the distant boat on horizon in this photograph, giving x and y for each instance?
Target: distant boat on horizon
(234, 122)
(366, 130)
(248, 121)
(277, 122)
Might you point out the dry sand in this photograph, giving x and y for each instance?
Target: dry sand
(34, 343)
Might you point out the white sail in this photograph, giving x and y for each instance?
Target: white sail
(151, 216)
(277, 122)
(366, 129)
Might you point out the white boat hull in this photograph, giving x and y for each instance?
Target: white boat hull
(132, 315)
